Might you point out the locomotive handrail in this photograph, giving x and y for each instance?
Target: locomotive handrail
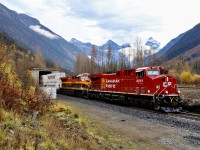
(162, 90)
(156, 91)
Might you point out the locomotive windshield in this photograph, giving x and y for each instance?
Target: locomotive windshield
(153, 72)
(157, 71)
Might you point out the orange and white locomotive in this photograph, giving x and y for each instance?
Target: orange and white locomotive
(75, 85)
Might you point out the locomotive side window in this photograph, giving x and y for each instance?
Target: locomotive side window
(140, 74)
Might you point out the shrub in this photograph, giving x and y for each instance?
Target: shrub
(196, 79)
(61, 108)
(186, 77)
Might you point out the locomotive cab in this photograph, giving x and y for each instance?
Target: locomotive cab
(164, 89)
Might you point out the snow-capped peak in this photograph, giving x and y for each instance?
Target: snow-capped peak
(152, 43)
(75, 41)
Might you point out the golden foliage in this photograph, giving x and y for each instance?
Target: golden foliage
(61, 108)
(17, 90)
(186, 77)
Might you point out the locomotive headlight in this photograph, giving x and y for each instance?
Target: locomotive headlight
(179, 91)
(166, 92)
(157, 86)
(148, 91)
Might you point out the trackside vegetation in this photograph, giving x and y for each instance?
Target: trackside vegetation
(28, 118)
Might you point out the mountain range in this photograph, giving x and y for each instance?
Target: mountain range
(88, 46)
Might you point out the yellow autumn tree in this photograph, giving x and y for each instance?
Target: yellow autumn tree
(16, 92)
(186, 77)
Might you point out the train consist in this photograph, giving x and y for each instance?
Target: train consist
(149, 86)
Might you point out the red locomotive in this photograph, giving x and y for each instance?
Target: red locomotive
(146, 85)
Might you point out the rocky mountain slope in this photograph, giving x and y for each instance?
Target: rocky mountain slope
(182, 43)
(31, 34)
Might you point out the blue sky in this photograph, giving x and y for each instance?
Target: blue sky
(97, 21)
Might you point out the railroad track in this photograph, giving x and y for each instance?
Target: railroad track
(187, 115)
(183, 114)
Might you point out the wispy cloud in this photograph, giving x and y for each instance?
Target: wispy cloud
(43, 32)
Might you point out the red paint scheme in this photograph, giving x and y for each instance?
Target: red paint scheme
(147, 81)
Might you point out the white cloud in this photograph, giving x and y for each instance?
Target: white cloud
(121, 20)
(43, 32)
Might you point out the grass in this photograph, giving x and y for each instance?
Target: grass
(106, 136)
(62, 127)
(59, 128)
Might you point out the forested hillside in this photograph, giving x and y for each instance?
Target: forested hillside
(28, 118)
(17, 89)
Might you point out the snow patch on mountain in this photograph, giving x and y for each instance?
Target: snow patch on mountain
(87, 47)
(43, 32)
(152, 43)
